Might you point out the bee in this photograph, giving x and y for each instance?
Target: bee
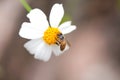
(60, 41)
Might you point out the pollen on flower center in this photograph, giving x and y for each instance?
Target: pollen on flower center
(50, 35)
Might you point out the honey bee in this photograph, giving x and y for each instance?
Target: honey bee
(60, 41)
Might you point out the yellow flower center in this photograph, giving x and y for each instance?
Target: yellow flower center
(50, 35)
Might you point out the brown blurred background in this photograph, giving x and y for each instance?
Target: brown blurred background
(95, 50)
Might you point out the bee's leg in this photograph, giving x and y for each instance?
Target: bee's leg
(57, 43)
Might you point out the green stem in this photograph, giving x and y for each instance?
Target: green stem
(26, 5)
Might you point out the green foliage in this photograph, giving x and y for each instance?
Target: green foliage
(118, 4)
(66, 18)
(26, 5)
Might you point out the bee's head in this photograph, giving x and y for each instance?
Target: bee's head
(60, 35)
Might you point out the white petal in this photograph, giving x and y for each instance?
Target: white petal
(63, 25)
(67, 29)
(41, 50)
(57, 51)
(56, 15)
(32, 45)
(28, 32)
(38, 19)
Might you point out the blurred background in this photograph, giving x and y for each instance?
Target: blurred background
(95, 45)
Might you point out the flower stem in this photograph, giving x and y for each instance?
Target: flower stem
(26, 5)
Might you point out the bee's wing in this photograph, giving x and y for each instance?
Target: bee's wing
(68, 43)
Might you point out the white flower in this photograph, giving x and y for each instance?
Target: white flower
(44, 37)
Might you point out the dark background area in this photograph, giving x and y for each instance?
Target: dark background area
(95, 49)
